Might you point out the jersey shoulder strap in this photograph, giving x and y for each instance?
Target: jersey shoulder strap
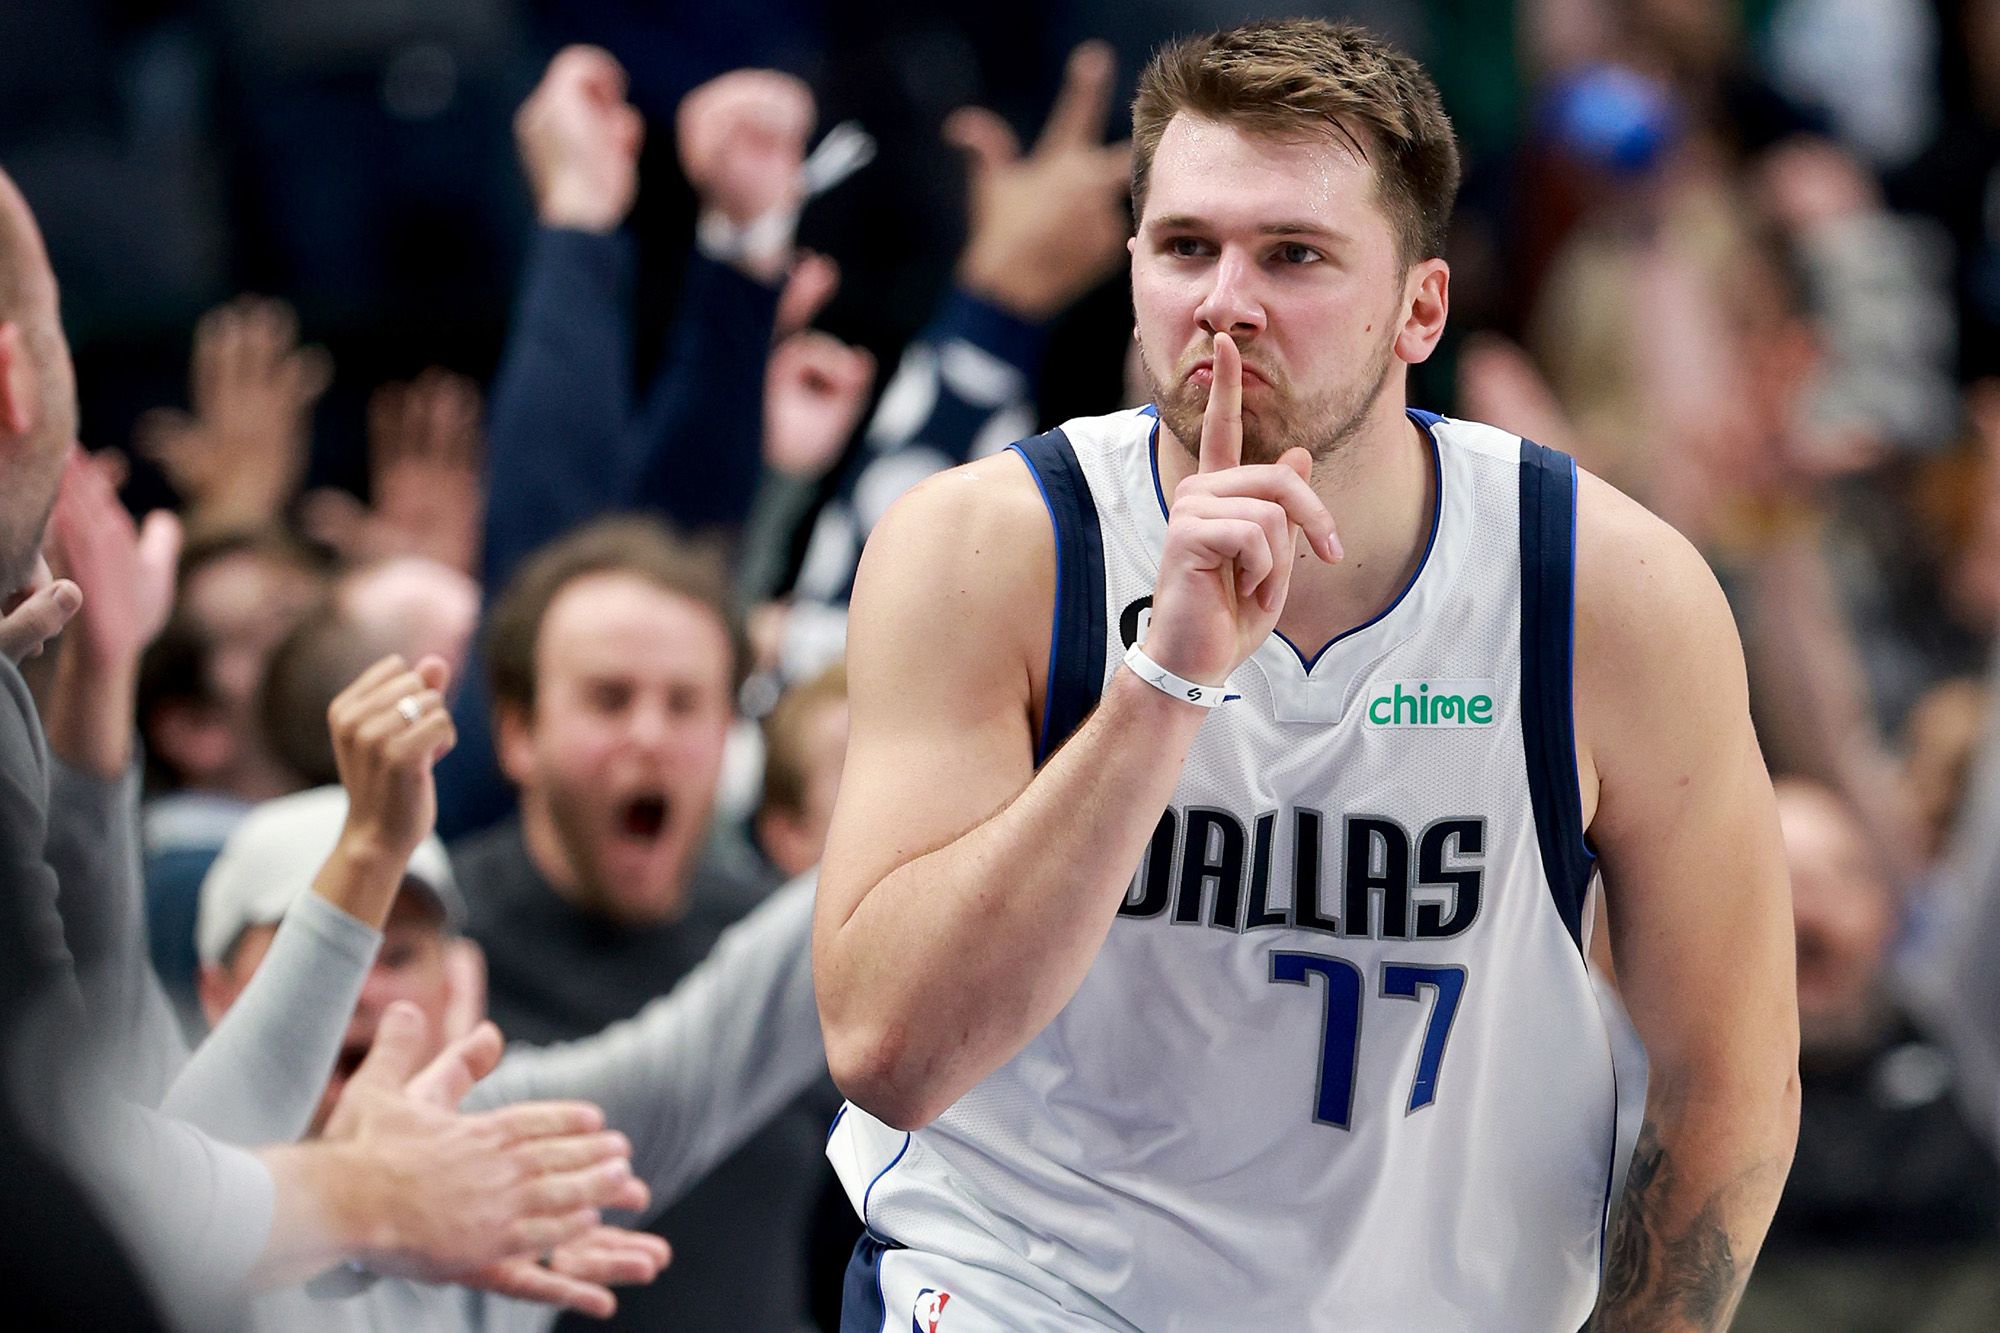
(1076, 644)
(1548, 668)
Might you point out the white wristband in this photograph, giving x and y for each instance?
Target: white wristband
(1179, 687)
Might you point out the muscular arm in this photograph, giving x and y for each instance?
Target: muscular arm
(965, 895)
(1700, 908)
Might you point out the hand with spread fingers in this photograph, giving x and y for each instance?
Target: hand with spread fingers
(439, 1195)
(1232, 541)
(579, 142)
(426, 477)
(1046, 227)
(238, 459)
(126, 573)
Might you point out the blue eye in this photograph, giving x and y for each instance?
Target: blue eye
(1294, 253)
(1185, 247)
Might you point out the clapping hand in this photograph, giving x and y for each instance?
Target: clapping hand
(473, 1197)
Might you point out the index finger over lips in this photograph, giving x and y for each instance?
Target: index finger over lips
(1222, 421)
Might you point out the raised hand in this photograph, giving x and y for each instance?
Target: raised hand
(815, 386)
(426, 476)
(579, 142)
(238, 459)
(808, 287)
(389, 727)
(126, 570)
(1045, 228)
(1232, 541)
(742, 139)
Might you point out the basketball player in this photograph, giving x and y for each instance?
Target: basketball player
(1201, 939)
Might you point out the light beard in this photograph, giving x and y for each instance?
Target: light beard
(573, 818)
(1321, 426)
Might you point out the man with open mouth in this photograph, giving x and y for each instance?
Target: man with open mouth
(613, 660)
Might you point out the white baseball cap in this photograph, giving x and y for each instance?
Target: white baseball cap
(275, 853)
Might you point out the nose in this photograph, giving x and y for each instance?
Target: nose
(1232, 304)
(649, 728)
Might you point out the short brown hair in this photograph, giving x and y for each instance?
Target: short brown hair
(785, 775)
(1285, 76)
(320, 657)
(641, 547)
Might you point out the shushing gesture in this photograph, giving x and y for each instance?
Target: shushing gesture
(1232, 541)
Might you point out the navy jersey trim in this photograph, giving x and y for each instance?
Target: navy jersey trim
(863, 1306)
(1548, 668)
(1425, 420)
(1076, 641)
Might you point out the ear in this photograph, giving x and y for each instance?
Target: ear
(20, 401)
(514, 742)
(1427, 300)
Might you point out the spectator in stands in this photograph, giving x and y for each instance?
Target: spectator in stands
(805, 744)
(685, 448)
(1893, 1207)
(1044, 228)
(613, 662)
(686, 1078)
(206, 1219)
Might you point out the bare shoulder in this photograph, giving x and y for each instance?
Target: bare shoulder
(1659, 666)
(1648, 608)
(985, 516)
(959, 572)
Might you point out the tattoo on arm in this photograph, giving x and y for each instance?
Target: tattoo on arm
(1651, 1274)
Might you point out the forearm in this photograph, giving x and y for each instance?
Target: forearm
(693, 450)
(560, 398)
(1711, 1161)
(195, 1213)
(93, 847)
(260, 1074)
(92, 712)
(954, 961)
(360, 879)
(320, 1214)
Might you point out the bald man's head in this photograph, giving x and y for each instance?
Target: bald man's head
(24, 264)
(37, 390)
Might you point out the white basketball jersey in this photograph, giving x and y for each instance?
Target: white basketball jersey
(1339, 1064)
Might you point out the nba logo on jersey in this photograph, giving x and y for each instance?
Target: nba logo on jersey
(929, 1311)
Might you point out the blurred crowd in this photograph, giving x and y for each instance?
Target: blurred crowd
(590, 544)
